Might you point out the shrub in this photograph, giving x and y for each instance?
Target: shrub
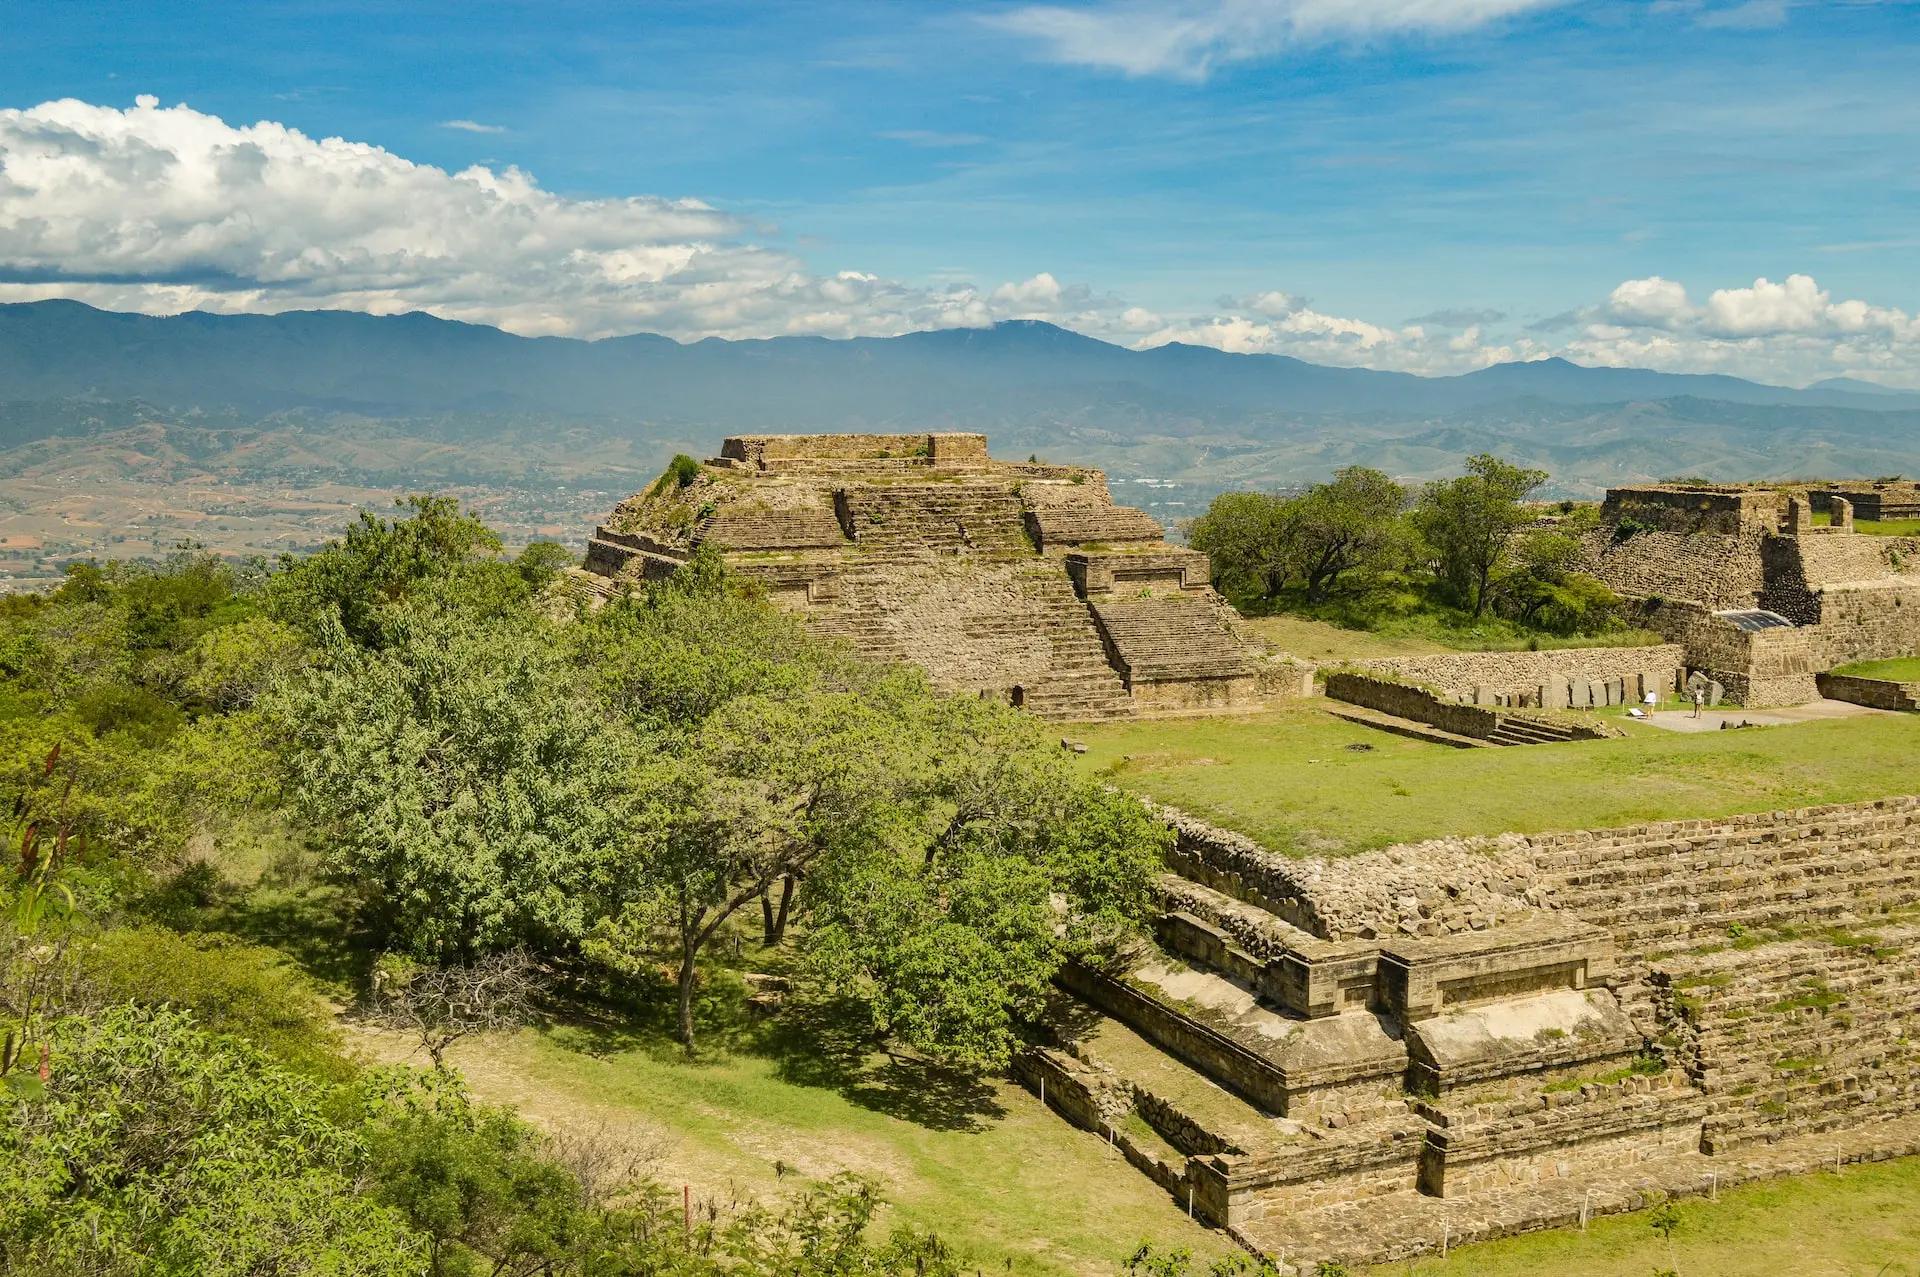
(227, 985)
(683, 469)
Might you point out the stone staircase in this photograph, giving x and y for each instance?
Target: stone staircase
(1009, 626)
(1530, 731)
(961, 516)
(1169, 637)
(1358, 1099)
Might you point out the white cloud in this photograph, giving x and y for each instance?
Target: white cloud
(1654, 302)
(1330, 339)
(1785, 332)
(471, 126)
(1187, 39)
(167, 209)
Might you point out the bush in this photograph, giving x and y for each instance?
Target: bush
(161, 1149)
(227, 985)
(683, 470)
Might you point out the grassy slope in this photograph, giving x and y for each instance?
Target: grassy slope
(1904, 669)
(1877, 527)
(1288, 778)
(994, 1173)
(1861, 1222)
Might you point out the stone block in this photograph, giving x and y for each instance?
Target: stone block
(1714, 692)
(1482, 694)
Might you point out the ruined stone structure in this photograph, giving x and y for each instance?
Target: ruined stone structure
(1370, 1058)
(1760, 598)
(1022, 581)
(1877, 500)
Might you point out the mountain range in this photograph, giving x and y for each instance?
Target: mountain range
(301, 399)
(415, 363)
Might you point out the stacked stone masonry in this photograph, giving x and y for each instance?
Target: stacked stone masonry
(1023, 582)
(1518, 1027)
(1695, 559)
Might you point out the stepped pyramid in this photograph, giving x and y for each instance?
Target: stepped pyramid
(1016, 580)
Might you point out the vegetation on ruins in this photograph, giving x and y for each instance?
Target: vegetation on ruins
(1464, 560)
(455, 795)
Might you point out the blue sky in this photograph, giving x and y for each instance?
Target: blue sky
(1319, 177)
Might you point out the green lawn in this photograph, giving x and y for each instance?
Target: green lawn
(1877, 527)
(1355, 630)
(1292, 779)
(1903, 669)
(1861, 1222)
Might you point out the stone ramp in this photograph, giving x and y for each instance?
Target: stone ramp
(962, 515)
(1061, 523)
(1190, 1111)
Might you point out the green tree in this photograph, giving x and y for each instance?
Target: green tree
(468, 789)
(1471, 524)
(1544, 586)
(1352, 522)
(768, 786)
(1247, 536)
(437, 549)
(1001, 864)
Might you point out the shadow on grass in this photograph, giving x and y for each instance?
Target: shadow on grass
(830, 1042)
(288, 909)
(812, 1041)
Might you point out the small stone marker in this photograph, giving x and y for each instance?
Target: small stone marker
(1482, 695)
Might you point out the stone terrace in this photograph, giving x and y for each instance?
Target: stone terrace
(1373, 1058)
(1021, 581)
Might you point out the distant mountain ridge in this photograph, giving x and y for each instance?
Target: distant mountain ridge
(406, 365)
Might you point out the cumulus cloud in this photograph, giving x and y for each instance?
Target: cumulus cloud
(1304, 333)
(1785, 331)
(164, 209)
(1187, 39)
(168, 209)
(1652, 302)
(1788, 332)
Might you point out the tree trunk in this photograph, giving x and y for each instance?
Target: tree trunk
(687, 971)
(767, 931)
(778, 931)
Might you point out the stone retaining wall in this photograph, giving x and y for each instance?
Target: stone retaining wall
(1459, 673)
(1758, 668)
(1798, 1037)
(1875, 693)
(1664, 884)
(1715, 570)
